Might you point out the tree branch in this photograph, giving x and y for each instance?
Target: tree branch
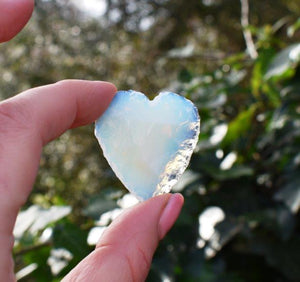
(31, 248)
(246, 32)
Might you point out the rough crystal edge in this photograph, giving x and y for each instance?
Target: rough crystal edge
(173, 171)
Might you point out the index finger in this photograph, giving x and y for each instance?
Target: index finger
(27, 122)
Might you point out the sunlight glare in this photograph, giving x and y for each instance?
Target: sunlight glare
(94, 8)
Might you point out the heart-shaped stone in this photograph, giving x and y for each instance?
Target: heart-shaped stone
(148, 143)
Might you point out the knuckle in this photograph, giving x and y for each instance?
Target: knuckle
(64, 84)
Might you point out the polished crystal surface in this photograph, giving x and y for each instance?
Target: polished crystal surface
(148, 143)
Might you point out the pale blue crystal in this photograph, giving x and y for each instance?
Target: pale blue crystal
(148, 143)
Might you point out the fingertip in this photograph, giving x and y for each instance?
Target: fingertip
(103, 89)
(170, 214)
(99, 95)
(110, 87)
(104, 86)
(13, 17)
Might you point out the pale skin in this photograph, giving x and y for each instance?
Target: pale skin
(33, 118)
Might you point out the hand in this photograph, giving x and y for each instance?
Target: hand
(30, 120)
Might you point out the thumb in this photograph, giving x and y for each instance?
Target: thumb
(14, 14)
(125, 250)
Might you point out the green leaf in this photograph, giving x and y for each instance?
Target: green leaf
(293, 28)
(239, 126)
(69, 236)
(259, 69)
(233, 173)
(39, 256)
(284, 63)
(290, 195)
(73, 238)
(185, 76)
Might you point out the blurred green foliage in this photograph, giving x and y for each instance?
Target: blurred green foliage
(243, 184)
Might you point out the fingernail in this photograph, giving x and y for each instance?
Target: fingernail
(170, 214)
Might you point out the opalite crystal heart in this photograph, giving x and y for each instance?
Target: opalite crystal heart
(148, 144)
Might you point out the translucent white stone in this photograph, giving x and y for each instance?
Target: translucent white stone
(148, 143)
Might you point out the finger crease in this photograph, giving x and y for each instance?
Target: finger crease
(104, 246)
(144, 257)
(131, 268)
